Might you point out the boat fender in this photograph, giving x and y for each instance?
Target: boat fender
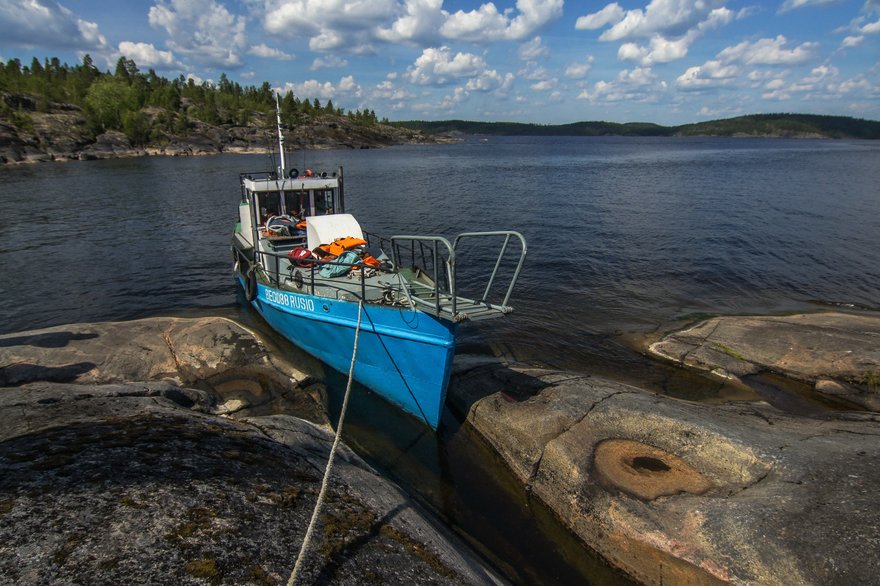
(250, 286)
(294, 173)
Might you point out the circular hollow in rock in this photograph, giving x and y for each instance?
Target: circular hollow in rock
(644, 471)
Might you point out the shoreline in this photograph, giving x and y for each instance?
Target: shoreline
(622, 468)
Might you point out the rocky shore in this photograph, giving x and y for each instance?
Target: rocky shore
(156, 450)
(61, 134)
(678, 492)
(162, 458)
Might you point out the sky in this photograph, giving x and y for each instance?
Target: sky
(542, 61)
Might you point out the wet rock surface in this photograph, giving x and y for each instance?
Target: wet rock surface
(125, 472)
(678, 492)
(838, 354)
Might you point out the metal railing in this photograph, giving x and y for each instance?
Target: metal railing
(445, 290)
(274, 272)
(429, 281)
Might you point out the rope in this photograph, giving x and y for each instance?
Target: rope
(326, 482)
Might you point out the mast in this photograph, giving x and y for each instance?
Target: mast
(283, 169)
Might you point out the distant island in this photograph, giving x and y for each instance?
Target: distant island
(763, 125)
(54, 111)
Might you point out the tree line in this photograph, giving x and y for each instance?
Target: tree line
(148, 107)
(751, 125)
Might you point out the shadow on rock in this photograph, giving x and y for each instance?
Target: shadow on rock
(46, 340)
(19, 374)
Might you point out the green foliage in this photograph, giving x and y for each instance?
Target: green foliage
(137, 127)
(107, 100)
(116, 101)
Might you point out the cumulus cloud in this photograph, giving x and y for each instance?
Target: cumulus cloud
(795, 4)
(769, 52)
(330, 25)
(729, 62)
(487, 24)
(420, 22)
(710, 74)
(202, 30)
(533, 50)
(611, 14)
(267, 52)
(329, 62)
(146, 55)
(670, 18)
(579, 70)
(669, 26)
(639, 84)
(346, 89)
(544, 85)
(43, 23)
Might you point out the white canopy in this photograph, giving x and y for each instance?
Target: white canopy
(326, 229)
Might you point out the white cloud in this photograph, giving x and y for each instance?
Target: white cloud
(661, 50)
(611, 14)
(420, 22)
(579, 70)
(489, 81)
(544, 85)
(871, 28)
(768, 52)
(635, 85)
(201, 29)
(145, 55)
(671, 18)
(329, 62)
(346, 89)
(330, 25)
(670, 27)
(42, 23)
(267, 52)
(853, 41)
(487, 24)
(795, 4)
(533, 50)
(710, 74)
(438, 66)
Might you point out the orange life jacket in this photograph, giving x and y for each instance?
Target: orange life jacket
(339, 246)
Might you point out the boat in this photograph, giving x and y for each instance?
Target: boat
(315, 276)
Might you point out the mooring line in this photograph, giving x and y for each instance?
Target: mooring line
(326, 482)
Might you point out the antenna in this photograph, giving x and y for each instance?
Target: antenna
(282, 169)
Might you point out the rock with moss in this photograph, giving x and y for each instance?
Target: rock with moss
(120, 464)
(675, 492)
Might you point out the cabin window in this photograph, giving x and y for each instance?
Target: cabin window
(323, 201)
(296, 203)
(270, 205)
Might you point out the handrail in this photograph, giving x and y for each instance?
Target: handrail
(507, 234)
(450, 263)
(315, 264)
(441, 294)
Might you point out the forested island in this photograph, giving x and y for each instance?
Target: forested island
(767, 125)
(54, 111)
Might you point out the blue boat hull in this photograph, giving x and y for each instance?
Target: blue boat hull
(403, 355)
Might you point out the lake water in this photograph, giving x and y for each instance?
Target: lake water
(626, 236)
